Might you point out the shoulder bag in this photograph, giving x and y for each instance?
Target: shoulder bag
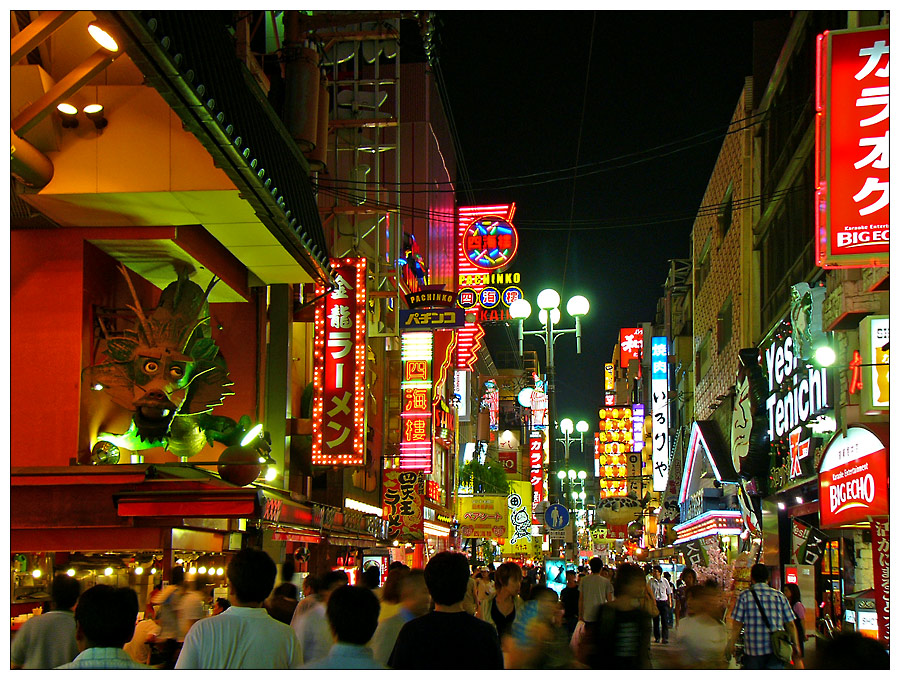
(780, 639)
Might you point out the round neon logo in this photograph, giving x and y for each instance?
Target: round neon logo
(490, 242)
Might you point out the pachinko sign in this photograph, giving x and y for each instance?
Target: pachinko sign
(339, 397)
(403, 490)
(483, 517)
(416, 424)
(853, 478)
(852, 156)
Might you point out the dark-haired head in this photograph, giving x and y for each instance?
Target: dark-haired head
(353, 614)
(447, 576)
(177, 576)
(372, 577)
(793, 593)
(331, 580)
(251, 574)
(596, 564)
(106, 616)
(759, 573)
(64, 591)
(390, 592)
(850, 651)
(627, 576)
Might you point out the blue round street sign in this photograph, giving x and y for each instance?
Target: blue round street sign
(556, 516)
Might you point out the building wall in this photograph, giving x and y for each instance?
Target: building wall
(718, 263)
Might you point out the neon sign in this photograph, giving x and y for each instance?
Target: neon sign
(659, 385)
(490, 242)
(339, 406)
(852, 167)
(416, 353)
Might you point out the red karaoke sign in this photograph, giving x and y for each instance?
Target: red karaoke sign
(853, 478)
(339, 401)
(852, 158)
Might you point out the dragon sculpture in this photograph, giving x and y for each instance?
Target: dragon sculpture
(168, 371)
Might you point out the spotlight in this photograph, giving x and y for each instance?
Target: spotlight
(192, 570)
(781, 506)
(68, 114)
(799, 500)
(220, 571)
(36, 573)
(70, 572)
(271, 474)
(102, 37)
(94, 113)
(138, 570)
(108, 571)
(201, 570)
(153, 570)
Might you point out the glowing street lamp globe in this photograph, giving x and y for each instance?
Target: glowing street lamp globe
(520, 309)
(578, 306)
(554, 314)
(566, 425)
(561, 474)
(548, 299)
(582, 426)
(572, 474)
(582, 475)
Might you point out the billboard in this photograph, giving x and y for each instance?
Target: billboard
(403, 491)
(518, 505)
(852, 158)
(659, 387)
(853, 480)
(416, 424)
(482, 516)
(339, 396)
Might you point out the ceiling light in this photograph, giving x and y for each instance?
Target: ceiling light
(36, 573)
(201, 570)
(138, 570)
(102, 37)
(70, 572)
(108, 571)
(220, 571)
(153, 570)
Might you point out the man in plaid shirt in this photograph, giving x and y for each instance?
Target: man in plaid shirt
(746, 615)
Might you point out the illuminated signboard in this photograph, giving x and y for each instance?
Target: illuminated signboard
(416, 354)
(518, 505)
(614, 445)
(659, 386)
(874, 336)
(609, 377)
(631, 346)
(339, 396)
(539, 405)
(490, 242)
(853, 482)
(483, 516)
(432, 296)
(536, 466)
(852, 159)
(419, 319)
(403, 506)
(461, 392)
(473, 276)
(491, 402)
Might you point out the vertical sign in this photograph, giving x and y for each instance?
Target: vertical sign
(461, 390)
(403, 505)
(631, 346)
(339, 397)
(518, 505)
(852, 158)
(659, 387)
(416, 353)
(609, 377)
(536, 465)
(539, 404)
(874, 335)
(881, 562)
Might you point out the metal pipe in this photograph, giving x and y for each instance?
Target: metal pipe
(28, 165)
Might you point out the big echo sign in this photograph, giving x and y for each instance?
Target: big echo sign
(853, 478)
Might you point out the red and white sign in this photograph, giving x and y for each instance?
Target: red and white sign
(339, 397)
(852, 157)
(536, 465)
(631, 346)
(853, 478)
(881, 562)
(507, 459)
(416, 414)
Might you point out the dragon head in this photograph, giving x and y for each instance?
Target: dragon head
(167, 365)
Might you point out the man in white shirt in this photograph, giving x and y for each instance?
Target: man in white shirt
(593, 590)
(244, 636)
(311, 626)
(662, 592)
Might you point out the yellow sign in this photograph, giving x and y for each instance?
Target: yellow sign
(483, 517)
(609, 372)
(518, 533)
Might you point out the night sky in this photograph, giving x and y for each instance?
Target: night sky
(661, 91)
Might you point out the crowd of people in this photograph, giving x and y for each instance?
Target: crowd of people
(447, 616)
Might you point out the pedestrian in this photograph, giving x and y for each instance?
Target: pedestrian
(309, 593)
(176, 612)
(140, 647)
(849, 651)
(500, 609)
(670, 618)
(537, 640)
(470, 601)
(221, 604)
(282, 603)
(353, 617)
(759, 611)
(414, 602)
(371, 579)
(48, 640)
(619, 638)
(593, 591)
(390, 593)
(447, 638)
(792, 592)
(311, 626)
(244, 636)
(689, 580)
(701, 638)
(662, 593)
(569, 597)
(104, 621)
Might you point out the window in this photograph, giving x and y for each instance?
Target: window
(724, 324)
(723, 217)
(703, 264)
(702, 359)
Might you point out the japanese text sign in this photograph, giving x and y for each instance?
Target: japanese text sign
(536, 466)
(482, 517)
(339, 398)
(631, 346)
(518, 505)
(659, 387)
(416, 354)
(852, 158)
(403, 505)
(881, 562)
(853, 482)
